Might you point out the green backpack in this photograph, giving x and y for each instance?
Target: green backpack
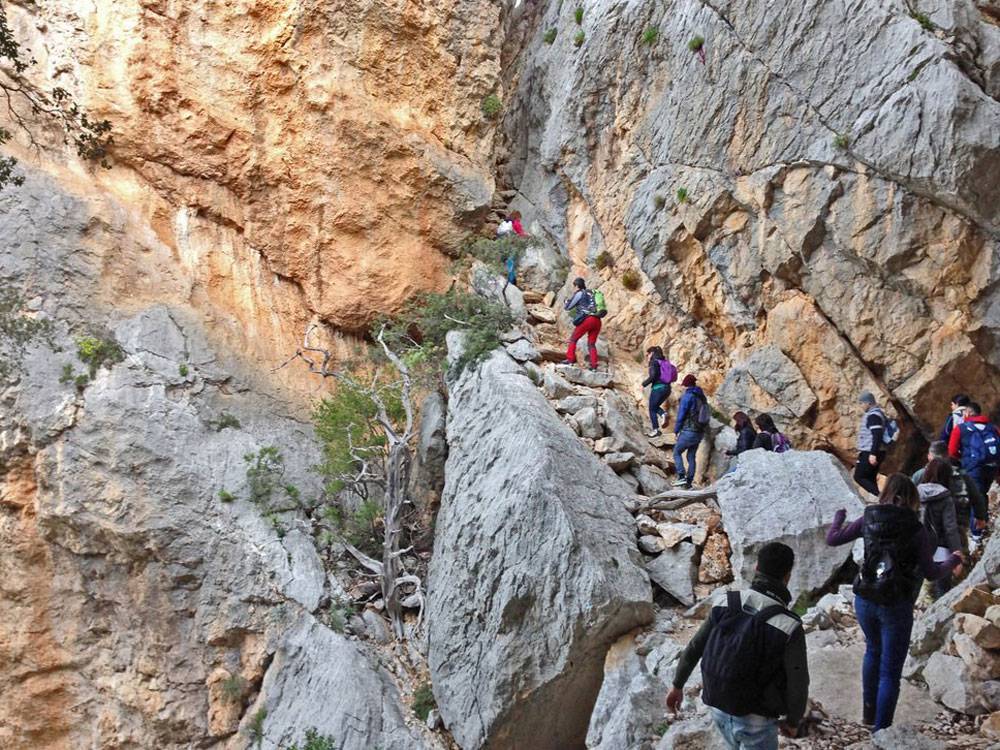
(600, 306)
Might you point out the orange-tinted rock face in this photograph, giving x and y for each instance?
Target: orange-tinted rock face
(343, 144)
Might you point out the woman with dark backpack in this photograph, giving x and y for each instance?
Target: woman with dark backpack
(746, 435)
(899, 554)
(661, 374)
(940, 516)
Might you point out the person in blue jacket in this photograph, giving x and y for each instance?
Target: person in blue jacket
(689, 429)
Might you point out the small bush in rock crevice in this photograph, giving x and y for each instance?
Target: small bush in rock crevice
(578, 39)
(631, 280)
(491, 106)
(650, 35)
(604, 260)
(549, 36)
(682, 195)
(578, 16)
(923, 19)
(841, 141)
(97, 352)
(659, 202)
(423, 701)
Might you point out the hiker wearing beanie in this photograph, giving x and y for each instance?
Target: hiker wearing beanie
(899, 554)
(970, 503)
(753, 659)
(871, 448)
(585, 321)
(692, 421)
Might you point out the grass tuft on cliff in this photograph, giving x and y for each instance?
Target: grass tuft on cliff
(650, 35)
(491, 106)
(549, 36)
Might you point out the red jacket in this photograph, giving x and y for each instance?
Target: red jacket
(518, 229)
(955, 440)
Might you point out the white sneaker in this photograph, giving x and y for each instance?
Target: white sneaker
(654, 433)
(680, 482)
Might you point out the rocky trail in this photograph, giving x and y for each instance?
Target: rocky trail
(694, 543)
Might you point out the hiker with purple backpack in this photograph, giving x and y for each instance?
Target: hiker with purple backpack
(661, 374)
(769, 438)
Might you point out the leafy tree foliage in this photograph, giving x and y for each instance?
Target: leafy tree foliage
(23, 100)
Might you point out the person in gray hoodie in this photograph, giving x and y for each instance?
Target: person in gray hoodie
(939, 516)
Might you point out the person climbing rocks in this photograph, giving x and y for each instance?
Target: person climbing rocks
(957, 415)
(515, 222)
(899, 553)
(752, 650)
(770, 438)
(661, 374)
(585, 322)
(692, 421)
(976, 444)
(746, 435)
(871, 447)
(940, 517)
(970, 503)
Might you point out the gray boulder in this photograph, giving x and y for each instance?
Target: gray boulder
(674, 571)
(950, 683)
(555, 386)
(623, 427)
(588, 378)
(360, 704)
(523, 351)
(541, 267)
(791, 498)
(652, 480)
(630, 705)
(590, 425)
(535, 570)
(573, 404)
(432, 443)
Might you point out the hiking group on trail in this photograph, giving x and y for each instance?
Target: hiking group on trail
(752, 649)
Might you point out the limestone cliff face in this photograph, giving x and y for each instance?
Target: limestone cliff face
(284, 161)
(338, 145)
(801, 267)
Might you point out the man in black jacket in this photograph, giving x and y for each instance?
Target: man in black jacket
(746, 693)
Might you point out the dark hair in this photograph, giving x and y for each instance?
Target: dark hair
(579, 283)
(515, 215)
(975, 408)
(938, 471)
(765, 423)
(656, 352)
(900, 490)
(939, 449)
(741, 420)
(776, 560)
(961, 399)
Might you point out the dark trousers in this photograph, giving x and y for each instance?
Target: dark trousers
(657, 395)
(865, 473)
(887, 639)
(983, 477)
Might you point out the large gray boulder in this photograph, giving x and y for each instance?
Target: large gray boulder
(791, 498)
(321, 680)
(631, 705)
(534, 572)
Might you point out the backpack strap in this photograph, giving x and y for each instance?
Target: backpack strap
(775, 609)
(734, 601)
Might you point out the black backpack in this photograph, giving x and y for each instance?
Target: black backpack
(888, 574)
(743, 655)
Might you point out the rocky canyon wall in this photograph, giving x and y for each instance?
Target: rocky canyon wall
(812, 205)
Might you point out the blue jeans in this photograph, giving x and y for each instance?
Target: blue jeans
(983, 477)
(746, 732)
(657, 395)
(887, 639)
(687, 442)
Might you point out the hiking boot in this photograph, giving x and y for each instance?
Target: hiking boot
(680, 482)
(654, 434)
(593, 368)
(568, 362)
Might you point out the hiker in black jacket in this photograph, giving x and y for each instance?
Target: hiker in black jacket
(745, 434)
(753, 659)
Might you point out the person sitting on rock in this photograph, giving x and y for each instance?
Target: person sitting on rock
(752, 650)
(899, 553)
(976, 444)
(769, 438)
(692, 421)
(585, 321)
(970, 503)
(746, 435)
(515, 222)
(661, 374)
(871, 448)
(940, 517)
(957, 415)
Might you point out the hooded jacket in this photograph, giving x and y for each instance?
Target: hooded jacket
(687, 411)
(939, 516)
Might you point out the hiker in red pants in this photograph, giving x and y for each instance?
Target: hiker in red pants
(585, 320)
